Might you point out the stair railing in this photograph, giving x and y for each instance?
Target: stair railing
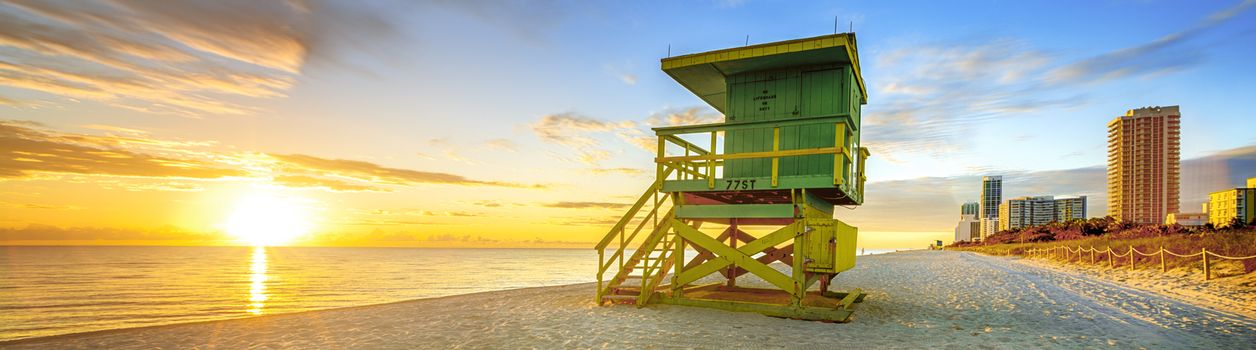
(620, 233)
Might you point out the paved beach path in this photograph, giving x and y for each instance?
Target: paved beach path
(920, 299)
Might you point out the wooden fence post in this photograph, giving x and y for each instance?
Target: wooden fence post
(1204, 253)
(1162, 268)
(1092, 254)
(1131, 258)
(1110, 263)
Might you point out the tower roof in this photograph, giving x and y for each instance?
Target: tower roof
(704, 73)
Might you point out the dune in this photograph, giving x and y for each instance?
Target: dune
(917, 299)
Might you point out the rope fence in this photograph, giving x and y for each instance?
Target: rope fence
(1067, 253)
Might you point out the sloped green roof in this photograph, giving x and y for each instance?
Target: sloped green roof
(704, 73)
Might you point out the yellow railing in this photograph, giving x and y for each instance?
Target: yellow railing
(654, 218)
(1066, 252)
(700, 163)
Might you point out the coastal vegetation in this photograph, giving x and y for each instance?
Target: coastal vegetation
(1235, 240)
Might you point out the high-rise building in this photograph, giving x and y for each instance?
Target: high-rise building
(969, 208)
(969, 228)
(1070, 208)
(1224, 206)
(1026, 211)
(988, 213)
(1143, 164)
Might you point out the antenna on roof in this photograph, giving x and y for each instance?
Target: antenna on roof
(834, 25)
(669, 50)
(747, 39)
(852, 27)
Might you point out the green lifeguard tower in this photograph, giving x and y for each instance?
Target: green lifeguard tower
(790, 153)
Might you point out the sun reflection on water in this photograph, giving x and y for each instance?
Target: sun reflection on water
(257, 290)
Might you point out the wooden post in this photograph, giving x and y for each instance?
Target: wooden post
(732, 242)
(711, 164)
(1092, 254)
(678, 265)
(658, 169)
(1131, 258)
(1204, 253)
(1162, 268)
(1111, 264)
(601, 261)
(839, 159)
(776, 161)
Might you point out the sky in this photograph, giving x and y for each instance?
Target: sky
(526, 124)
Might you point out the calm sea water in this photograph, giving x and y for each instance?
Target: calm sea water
(57, 290)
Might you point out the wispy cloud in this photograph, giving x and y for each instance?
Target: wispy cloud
(302, 181)
(581, 134)
(503, 145)
(933, 94)
(585, 205)
(184, 58)
(624, 171)
(928, 96)
(449, 150)
(684, 116)
(26, 150)
(99, 234)
(576, 132)
(375, 173)
(30, 150)
(1175, 51)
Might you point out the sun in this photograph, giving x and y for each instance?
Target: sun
(266, 220)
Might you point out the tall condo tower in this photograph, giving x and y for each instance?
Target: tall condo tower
(991, 196)
(1143, 164)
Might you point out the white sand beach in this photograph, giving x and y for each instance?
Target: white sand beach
(918, 299)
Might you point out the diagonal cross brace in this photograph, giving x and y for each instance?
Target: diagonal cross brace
(741, 256)
(705, 255)
(784, 255)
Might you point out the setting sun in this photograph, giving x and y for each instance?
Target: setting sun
(265, 220)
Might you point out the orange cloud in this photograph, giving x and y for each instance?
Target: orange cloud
(298, 181)
(584, 205)
(371, 172)
(97, 234)
(172, 57)
(25, 150)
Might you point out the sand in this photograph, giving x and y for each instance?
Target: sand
(919, 299)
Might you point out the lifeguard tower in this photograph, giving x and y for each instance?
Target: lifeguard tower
(790, 153)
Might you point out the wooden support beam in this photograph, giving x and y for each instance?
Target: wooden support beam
(784, 255)
(811, 313)
(742, 257)
(706, 255)
(733, 237)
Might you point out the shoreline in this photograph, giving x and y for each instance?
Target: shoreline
(916, 299)
(334, 309)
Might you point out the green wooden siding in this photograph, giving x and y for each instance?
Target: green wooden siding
(783, 94)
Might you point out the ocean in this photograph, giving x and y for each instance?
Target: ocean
(58, 290)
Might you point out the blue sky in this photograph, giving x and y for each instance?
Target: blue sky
(561, 93)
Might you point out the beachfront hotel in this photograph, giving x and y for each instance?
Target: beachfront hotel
(1069, 208)
(969, 228)
(1226, 205)
(991, 196)
(1143, 160)
(1028, 211)
(969, 208)
(1023, 212)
